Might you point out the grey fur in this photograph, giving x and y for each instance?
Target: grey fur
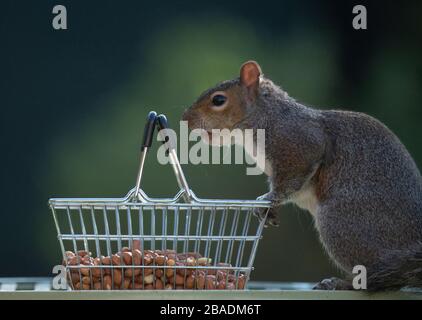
(370, 190)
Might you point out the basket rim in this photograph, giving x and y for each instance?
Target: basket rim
(145, 201)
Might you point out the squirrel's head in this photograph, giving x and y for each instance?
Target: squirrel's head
(226, 105)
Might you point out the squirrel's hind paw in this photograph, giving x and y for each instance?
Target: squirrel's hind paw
(333, 284)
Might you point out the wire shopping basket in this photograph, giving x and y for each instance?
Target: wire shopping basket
(138, 242)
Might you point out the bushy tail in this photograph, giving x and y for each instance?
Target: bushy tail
(398, 269)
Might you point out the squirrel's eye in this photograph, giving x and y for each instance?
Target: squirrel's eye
(218, 100)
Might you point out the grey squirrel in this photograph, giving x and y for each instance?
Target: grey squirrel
(346, 168)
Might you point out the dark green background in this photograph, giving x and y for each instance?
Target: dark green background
(73, 102)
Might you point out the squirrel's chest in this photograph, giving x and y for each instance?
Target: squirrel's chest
(306, 199)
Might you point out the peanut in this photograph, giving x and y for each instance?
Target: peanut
(97, 285)
(231, 278)
(190, 271)
(180, 271)
(190, 261)
(85, 271)
(241, 282)
(160, 260)
(117, 276)
(180, 280)
(221, 285)
(106, 261)
(167, 252)
(210, 282)
(199, 273)
(169, 273)
(69, 254)
(87, 260)
(159, 285)
(96, 272)
(136, 286)
(184, 256)
(190, 282)
(83, 253)
(221, 275)
(172, 256)
(73, 261)
(86, 280)
(136, 257)
(149, 279)
(231, 286)
(212, 272)
(147, 259)
(221, 265)
(78, 286)
(116, 260)
(129, 272)
(75, 276)
(204, 261)
(126, 284)
(171, 262)
(147, 271)
(127, 258)
(159, 273)
(107, 283)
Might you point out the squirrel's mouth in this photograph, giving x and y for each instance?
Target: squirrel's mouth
(208, 135)
(217, 140)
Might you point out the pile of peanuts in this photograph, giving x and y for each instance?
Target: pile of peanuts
(158, 270)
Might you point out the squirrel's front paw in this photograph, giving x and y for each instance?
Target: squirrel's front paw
(269, 214)
(270, 217)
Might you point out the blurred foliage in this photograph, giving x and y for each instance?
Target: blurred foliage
(74, 103)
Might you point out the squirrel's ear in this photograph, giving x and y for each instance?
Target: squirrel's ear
(249, 73)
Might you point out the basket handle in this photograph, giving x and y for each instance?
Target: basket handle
(162, 124)
(149, 130)
(146, 143)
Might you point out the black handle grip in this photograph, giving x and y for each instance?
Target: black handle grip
(162, 123)
(149, 130)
